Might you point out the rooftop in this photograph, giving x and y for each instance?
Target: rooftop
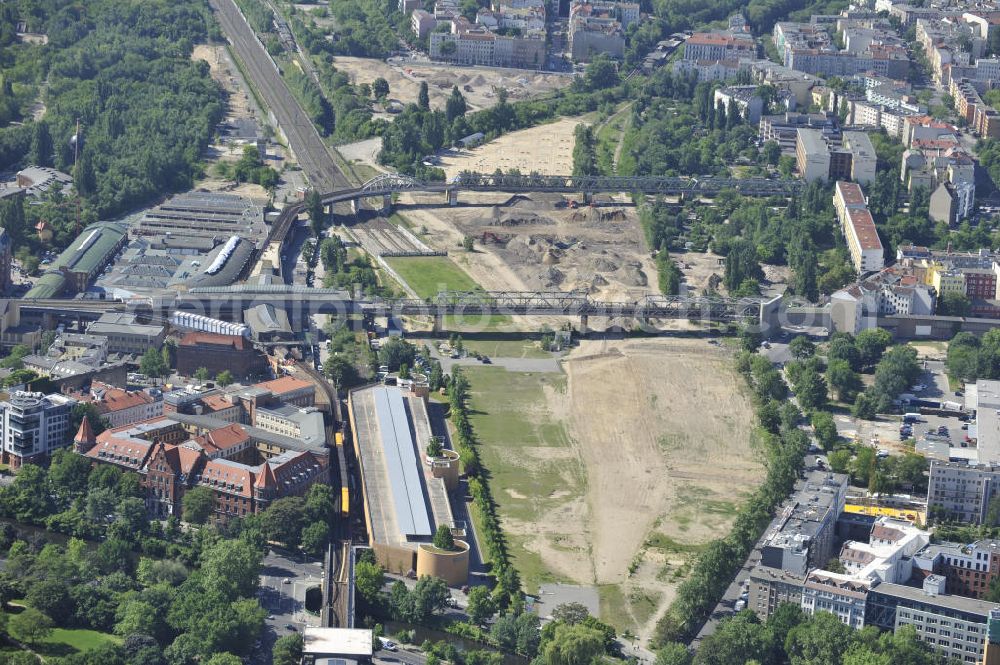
(812, 141)
(337, 641)
(918, 595)
(864, 229)
(119, 323)
(851, 193)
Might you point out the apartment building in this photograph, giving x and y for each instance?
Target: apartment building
(806, 533)
(953, 626)
(812, 155)
(422, 22)
(32, 425)
(967, 568)
(962, 492)
(746, 98)
(770, 587)
(842, 595)
(590, 36)
(120, 407)
(720, 46)
(858, 227)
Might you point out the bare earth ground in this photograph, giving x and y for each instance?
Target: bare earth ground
(241, 105)
(699, 267)
(546, 149)
(532, 245)
(661, 476)
(404, 81)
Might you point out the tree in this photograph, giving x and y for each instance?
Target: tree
(455, 107)
(572, 645)
(825, 428)
(202, 374)
(842, 347)
(673, 653)
(380, 88)
(316, 211)
(435, 449)
(481, 606)
(963, 356)
(741, 264)
(601, 74)
(231, 568)
(423, 97)
(197, 505)
(51, 597)
(341, 372)
(953, 303)
(224, 658)
(369, 578)
(41, 144)
(801, 347)
(443, 540)
(871, 344)
(843, 380)
(315, 537)
(771, 152)
(820, 641)
(287, 650)
(282, 521)
(152, 364)
(30, 626)
(395, 352)
(84, 177)
(570, 613)
(810, 389)
(429, 596)
(840, 460)
(224, 378)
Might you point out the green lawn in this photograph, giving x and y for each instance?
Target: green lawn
(66, 641)
(532, 469)
(428, 275)
(527, 348)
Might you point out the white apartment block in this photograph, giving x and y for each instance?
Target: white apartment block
(32, 425)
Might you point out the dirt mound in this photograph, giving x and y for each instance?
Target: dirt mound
(478, 80)
(552, 277)
(632, 275)
(601, 264)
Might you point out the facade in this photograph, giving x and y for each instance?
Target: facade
(770, 587)
(590, 36)
(719, 46)
(961, 491)
(422, 22)
(125, 334)
(82, 261)
(217, 353)
(746, 99)
(862, 153)
(405, 496)
(841, 595)
(479, 46)
(953, 626)
(123, 407)
(33, 425)
(806, 537)
(860, 234)
(173, 456)
(966, 568)
(5, 261)
(812, 156)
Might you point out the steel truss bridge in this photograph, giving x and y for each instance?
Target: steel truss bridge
(300, 303)
(573, 303)
(388, 184)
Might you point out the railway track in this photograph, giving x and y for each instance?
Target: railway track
(303, 139)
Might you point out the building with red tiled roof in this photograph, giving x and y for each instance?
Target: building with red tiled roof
(290, 390)
(223, 459)
(123, 407)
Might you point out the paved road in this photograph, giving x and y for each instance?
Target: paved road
(303, 139)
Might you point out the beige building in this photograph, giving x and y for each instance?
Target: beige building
(812, 156)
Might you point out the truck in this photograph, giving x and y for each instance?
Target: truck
(911, 417)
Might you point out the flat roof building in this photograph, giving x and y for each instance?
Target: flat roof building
(405, 497)
(205, 215)
(812, 156)
(126, 334)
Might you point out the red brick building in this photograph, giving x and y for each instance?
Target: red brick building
(217, 353)
(225, 460)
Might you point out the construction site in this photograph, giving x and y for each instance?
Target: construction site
(597, 463)
(477, 84)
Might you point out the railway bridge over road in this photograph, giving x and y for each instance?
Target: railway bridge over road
(388, 184)
(229, 303)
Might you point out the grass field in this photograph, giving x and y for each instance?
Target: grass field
(66, 641)
(507, 348)
(427, 275)
(528, 455)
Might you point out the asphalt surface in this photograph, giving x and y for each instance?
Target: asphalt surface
(285, 603)
(303, 139)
